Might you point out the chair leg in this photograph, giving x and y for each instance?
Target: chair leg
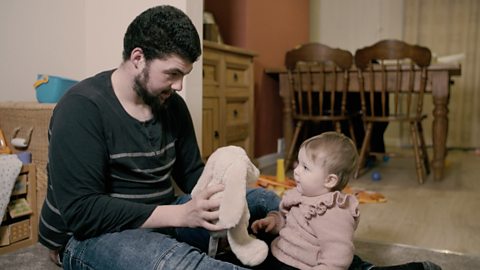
(364, 151)
(288, 161)
(418, 163)
(338, 126)
(426, 161)
(352, 133)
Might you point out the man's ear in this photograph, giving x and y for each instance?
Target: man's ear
(136, 56)
(331, 181)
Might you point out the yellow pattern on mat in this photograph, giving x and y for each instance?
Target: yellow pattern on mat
(363, 196)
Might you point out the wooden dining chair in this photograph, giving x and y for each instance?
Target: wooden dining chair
(318, 78)
(398, 71)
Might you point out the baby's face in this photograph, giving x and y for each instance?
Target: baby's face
(310, 177)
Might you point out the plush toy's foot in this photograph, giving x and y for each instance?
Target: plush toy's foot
(252, 252)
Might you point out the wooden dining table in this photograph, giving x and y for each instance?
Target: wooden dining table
(438, 85)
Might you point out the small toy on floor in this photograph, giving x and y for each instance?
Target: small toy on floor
(376, 176)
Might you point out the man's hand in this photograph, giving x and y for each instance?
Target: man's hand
(54, 257)
(202, 210)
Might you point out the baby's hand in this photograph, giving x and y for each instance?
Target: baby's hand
(266, 224)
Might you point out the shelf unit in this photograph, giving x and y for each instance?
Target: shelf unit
(22, 231)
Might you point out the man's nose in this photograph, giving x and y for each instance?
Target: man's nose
(177, 85)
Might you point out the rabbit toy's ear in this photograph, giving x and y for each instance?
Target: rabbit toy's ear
(207, 174)
(252, 172)
(234, 194)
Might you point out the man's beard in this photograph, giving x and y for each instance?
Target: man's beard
(140, 87)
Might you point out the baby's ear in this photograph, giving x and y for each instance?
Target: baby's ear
(331, 181)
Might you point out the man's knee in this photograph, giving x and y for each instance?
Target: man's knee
(261, 201)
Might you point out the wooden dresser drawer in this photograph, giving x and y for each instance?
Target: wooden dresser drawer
(238, 72)
(211, 69)
(237, 111)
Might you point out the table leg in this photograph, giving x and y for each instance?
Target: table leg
(440, 125)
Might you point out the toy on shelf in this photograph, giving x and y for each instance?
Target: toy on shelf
(21, 143)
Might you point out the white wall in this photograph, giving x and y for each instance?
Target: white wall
(76, 39)
(353, 24)
(39, 37)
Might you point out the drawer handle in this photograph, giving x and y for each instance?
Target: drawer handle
(235, 113)
(216, 134)
(203, 74)
(235, 77)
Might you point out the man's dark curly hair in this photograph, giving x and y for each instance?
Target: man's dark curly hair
(161, 31)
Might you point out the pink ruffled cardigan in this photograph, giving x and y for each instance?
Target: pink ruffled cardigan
(317, 232)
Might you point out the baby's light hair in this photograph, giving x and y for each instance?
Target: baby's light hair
(335, 152)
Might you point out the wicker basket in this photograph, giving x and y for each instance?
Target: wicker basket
(15, 232)
(26, 115)
(19, 231)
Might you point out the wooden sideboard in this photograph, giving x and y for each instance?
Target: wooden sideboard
(228, 98)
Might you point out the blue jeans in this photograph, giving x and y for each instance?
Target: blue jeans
(180, 248)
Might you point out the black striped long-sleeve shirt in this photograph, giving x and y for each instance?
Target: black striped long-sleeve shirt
(107, 171)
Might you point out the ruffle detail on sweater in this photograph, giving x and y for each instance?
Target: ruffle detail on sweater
(328, 201)
(290, 198)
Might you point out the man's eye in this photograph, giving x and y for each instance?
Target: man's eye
(174, 75)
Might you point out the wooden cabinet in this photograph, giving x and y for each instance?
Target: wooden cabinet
(228, 98)
(20, 230)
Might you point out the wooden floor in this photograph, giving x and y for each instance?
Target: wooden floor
(443, 216)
